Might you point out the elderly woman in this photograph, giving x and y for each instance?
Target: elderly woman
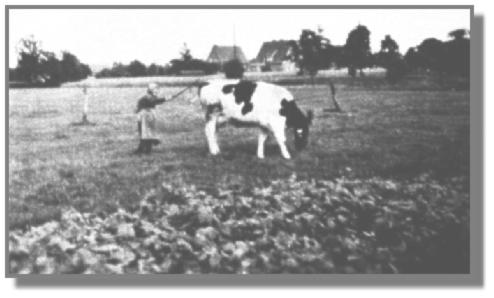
(146, 119)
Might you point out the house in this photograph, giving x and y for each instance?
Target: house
(223, 54)
(275, 56)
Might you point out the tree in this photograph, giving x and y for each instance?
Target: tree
(29, 59)
(357, 49)
(396, 69)
(233, 69)
(313, 52)
(431, 54)
(36, 66)
(72, 68)
(13, 74)
(152, 70)
(188, 63)
(185, 53)
(136, 69)
(85, 70)
(116, 71)
(388, 53)
(51, 70)
(389, 45)
(156, 70)
(458, 34)
(390, 58)
(457, 53)
(451, 57)
(412, 58)
(309, 49)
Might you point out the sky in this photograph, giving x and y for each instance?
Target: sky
(101, 37)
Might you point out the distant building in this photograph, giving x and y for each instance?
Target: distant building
(222, 54)
(275, 56)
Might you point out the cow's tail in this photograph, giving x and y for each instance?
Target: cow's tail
(337, 107)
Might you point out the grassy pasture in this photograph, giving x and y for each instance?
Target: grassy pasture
(55, 164)
(374, 79)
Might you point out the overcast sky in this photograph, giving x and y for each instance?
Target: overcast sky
(101, 37)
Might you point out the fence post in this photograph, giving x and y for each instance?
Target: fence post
(85, 109)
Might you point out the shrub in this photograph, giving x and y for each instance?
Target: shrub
(233, 69)
(396, 70)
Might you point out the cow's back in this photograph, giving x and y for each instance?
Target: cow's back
(264, 101)
(211, 93)
(269, 96)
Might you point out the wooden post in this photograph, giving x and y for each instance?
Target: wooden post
(333, 97)
(85, 109)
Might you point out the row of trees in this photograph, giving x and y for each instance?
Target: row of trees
(314, 52)
(36, 66)
(185, 64)
(133, 69)
(450, 57)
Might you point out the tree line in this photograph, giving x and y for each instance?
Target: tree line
(183, 65)
(37, 67)
(313, 52)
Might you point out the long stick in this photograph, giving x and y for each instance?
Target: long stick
(179, 93)
(332, 88)
(183, 90)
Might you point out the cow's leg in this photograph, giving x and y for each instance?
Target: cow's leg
(263, 135)
(210, 131)
(279, 134)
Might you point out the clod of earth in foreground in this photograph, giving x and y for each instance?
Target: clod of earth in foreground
(62, 244)
(126, 231)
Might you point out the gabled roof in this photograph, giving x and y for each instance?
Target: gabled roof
(274, 51)
(222, 54)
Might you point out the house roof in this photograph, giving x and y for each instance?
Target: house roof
(274, 51)
(222, 54)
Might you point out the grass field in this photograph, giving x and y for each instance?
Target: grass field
(382, 187)
(54, 163)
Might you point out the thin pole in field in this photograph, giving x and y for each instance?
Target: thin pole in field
(85, 109)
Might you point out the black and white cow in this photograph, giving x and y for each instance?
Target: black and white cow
(246, 103)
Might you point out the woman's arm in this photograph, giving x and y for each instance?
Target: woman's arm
(159, 101)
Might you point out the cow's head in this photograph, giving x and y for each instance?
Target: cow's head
(296, 120)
